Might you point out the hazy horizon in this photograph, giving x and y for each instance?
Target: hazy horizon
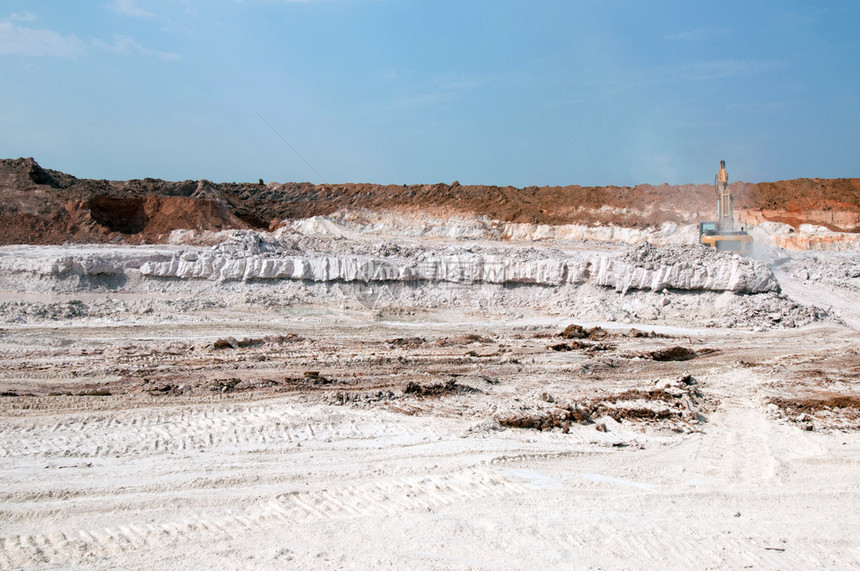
(415, 92)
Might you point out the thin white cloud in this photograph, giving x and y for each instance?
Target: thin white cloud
(420, 100)
(302, 1)
(22, 16)
(126, 45)
(696, 34)
(760, 107)
(18, 40)
(23, 41)
(129, 8)
(725, 68)
(443, 87)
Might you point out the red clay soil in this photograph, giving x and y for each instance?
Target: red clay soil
(42, 206)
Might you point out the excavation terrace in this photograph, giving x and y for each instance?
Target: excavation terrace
(453, 376)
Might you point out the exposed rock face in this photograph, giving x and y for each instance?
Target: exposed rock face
(686, 268)
(613, 285)
(448, 268)
(43, 206)
(643, 267)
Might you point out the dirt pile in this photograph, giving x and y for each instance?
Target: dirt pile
(674, 403)
(152, 217)
(820, 392)
(575, 331)
(675, 353)
(803, 194)
(435, 389)
(43, 206)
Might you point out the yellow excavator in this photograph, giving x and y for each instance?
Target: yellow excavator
(721, 233)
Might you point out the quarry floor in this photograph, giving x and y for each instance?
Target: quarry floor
(332, 435)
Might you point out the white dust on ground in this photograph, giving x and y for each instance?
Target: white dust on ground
(275, 482)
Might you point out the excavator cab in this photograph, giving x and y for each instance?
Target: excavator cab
(708, 227)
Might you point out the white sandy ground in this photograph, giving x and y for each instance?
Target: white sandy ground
(281, 482)
(276, 483)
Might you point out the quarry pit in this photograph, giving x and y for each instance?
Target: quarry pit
(448, 387)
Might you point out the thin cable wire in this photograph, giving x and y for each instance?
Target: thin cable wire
(558, 156)
(291, 147)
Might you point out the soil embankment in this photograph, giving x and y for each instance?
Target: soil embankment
(43, 206)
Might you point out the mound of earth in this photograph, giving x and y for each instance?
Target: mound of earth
(43, 206)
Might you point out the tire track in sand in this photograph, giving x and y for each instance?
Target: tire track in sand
(377, 498)
(707, 548)
(170, 430)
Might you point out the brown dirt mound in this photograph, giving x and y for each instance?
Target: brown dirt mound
(106, 218)
(547, 420)
(574, 331)
(804, 194)
(672, 354)
(155, 215)
(436, 389)
(582, 345)
(44, 206)
(818, 403)
(627, 405)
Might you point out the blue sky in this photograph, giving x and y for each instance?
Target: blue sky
(421, 91)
